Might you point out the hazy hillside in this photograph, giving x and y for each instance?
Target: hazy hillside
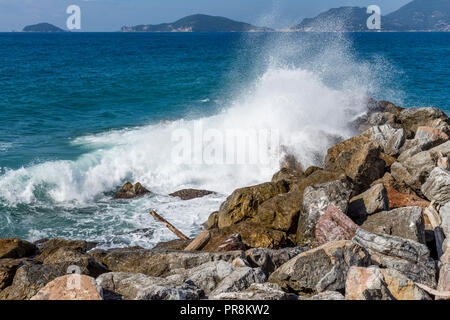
(42, 27)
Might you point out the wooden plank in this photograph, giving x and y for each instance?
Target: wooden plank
(168, 225)
(200, 241)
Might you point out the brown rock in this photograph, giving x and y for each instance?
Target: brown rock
(177, 244)
(413, 118)
(366, 284)
(311, 170)
(8, 268)
(334, 225)
(188, 194)
(234, 242)
(16, 248)
(436, 135)
(70, 287)
(128, 191)
(213, 220)
(288, 175)
(369, 202)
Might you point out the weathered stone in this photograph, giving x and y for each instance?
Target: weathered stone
(413, 118)
(328, 296)
(373, 200)
(414, 146)
(269, 260)
(48, 247)
(444, 278)
(320, 269)
(253, 236)
(406, 256)
(16, 248)
(234, 242)
(288, 175)
(29, 279)
(70, 287)
(405, 223)
(128, 191)
(159, 263)
(389, 138)
(366, 284)
(239, 280)
(402, 288)
(334, 225)
(177, 244)
(437, 187)
(315, 201)
(188, 194)
(359, 158)
(311, 170)
(415, 170)
(8, 268)
(257, 291)
(213, 220)
(444, 213)
(243, 203)
(436, 135)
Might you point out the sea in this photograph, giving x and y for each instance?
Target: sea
(83, 113)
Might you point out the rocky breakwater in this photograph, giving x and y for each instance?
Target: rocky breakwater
(372, 223)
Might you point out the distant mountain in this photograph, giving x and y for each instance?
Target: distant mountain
(198, 23)
(42, 27)
(418, 15)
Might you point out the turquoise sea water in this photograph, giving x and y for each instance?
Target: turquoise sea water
(80, 114)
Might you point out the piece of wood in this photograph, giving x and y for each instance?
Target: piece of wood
(168, 225)
(442, 294)
(433, 216)
(199, 242)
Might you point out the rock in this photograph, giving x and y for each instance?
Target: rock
(359, 158)
(253, 236)
(413, 118)
(239, 280)
(29, 279)
(132, 286)
(414, 146)
(406, 256)
(328, 296)
(436, 135)
(159, 263)
(70, 287)
(437, 187)
(234, 242)
(334, 225)
(269, 260)
(188, 194)
(389, 138)
(407, 223)
(381, 284)
(444, 278)
(321, 269)
(212, 221)
(415, 170)
(288, 175)
(311, 170)
(177, 244)
(243, 203)
(444, 213)
(257, 291)
(373, 200)
(8, 268)
(16, 248)
(315, 202)
(128, 191)
(48, 247)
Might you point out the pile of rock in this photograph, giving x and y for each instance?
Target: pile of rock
(372, 224)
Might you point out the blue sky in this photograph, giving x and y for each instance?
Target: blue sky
(110, 15)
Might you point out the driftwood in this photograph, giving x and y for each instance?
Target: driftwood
(442, 294)
(199, 242)
(168, 225)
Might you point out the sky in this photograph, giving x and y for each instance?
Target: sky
(111, 15)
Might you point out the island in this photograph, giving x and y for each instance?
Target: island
(43, 27)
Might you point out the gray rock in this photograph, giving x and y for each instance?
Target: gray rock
(437, 186)
(321, 269)
(269, 259)
(389, 138)
(316, 200)
(406, 256)
(413, 118)
(373, 200)
(444, 212)
(328, 295)
(406, 222)
(414, 146)
(239, 280)
(257, 291)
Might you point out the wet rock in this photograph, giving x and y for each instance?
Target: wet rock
(359, 158)
(243, 203)
(389, 138)
(253, 236)
(128, 191)
(188, 194)
(406, 256)
(444, 213)
(70, 287)
(159, 263)
(407, 223)
(413, 118)
(8, 268)
(234, 242)
(328, 296)
(315, 202)
(334, 225)
(177, 244)
(287, 174)
(269, 260)
(16, 248)
(29, 279)
(321, 269)
(373, 200)
(257, 291)
(437, 187)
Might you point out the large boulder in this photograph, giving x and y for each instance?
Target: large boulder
(188, 194)
(257, 291)
(269, 259)
(334, 225)
(48, 247)
(444, 212)
(359, 158)
(316, 200)
(243, 203)
(444, 279)
(413, 118)
(70, 287)
(240, 279)
(389, 138)
(371, 201)
(321, 269)
(437, 187)
(16, 248)
(130, 191)
(406, 256)
(8, 268)
(405, 222)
